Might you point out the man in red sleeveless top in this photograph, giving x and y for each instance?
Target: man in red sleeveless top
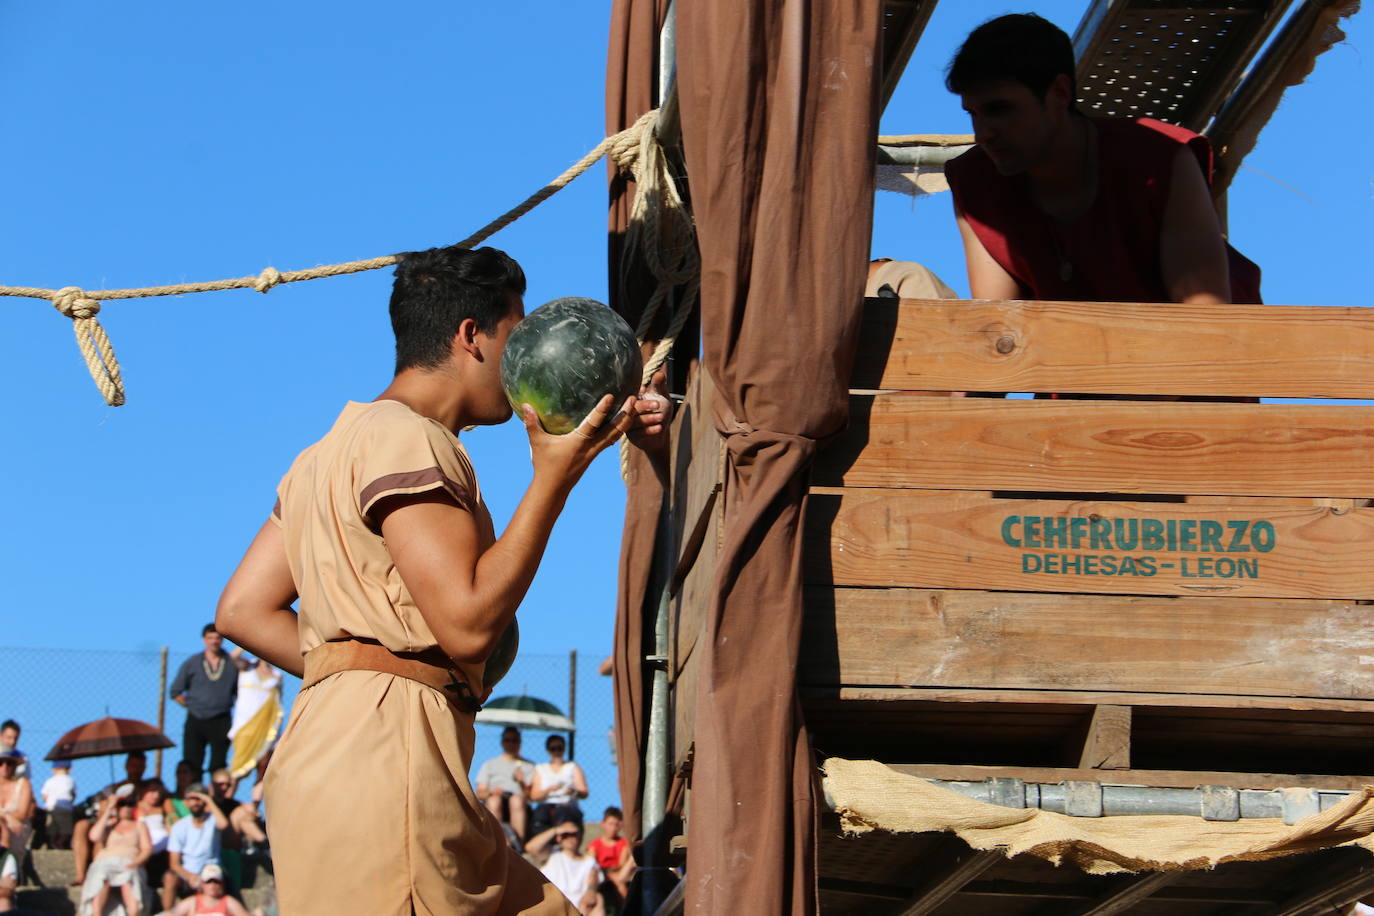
(1055, 205)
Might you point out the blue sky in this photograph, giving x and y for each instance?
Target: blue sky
(158, 142)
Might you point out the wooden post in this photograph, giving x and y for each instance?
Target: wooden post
(572, 698)
(161, 709)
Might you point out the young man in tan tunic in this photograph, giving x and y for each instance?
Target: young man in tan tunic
(404, 589)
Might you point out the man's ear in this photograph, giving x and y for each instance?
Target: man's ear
(465, 340)
(1059, 93)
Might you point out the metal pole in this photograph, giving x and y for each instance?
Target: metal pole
(572, 699)
(161, 710)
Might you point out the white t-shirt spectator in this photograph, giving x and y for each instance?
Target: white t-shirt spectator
(199, 846)
(572, 876)
(58, 792)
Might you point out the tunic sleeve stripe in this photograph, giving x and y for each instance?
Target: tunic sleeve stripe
(414, 482)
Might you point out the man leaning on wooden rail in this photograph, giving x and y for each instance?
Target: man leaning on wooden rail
(1052, 204)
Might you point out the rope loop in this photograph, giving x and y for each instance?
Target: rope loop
(73, 302)
(269, 278)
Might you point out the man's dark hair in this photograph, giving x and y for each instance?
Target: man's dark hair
(9, 723)
(436, 290)
(551, 740)
(510, 730)
(137, 755)
(1020, 47)
(208, 628)
(613, 811)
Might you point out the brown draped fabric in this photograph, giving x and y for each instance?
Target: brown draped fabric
(631, 78)
(779, 113)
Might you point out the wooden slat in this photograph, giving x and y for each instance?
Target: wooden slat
(1117, 348)
(942, 539)
(955, 695)
(1166, 779)
(901, 440)
(1108, 744)
(980, 639)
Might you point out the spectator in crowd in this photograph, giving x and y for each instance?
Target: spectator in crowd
(210, 898)
(503, 783)
(244, 833)
(58, 799)
(556, 787)
(121, 847)
(176, 804)
(134, 765)
(151, 796)
(194, 841)
(573, 872)
(257, 715)
(16, 805)
(9, 743)
(612, 852)
(206, 684)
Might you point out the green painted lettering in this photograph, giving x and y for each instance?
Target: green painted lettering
(1187, 535)
(1238, 529)
(1151, 534)
(1127, 534)
(1008, 523)
(1056, 531)
(1078, 529)
(1211, 536)
(1247, 569)
(1030, 531)
(1147, 566)
(1030, 562)
(1262, 536)
(1108, 564)
(1100, 530)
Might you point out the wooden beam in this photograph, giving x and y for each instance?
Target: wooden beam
(1079, 697)
(1117, 348)
(1108, 744)
(908, 440)
(1329, 892)
(945, 539)
(1017, 640)
(964, 865)
(1164, 779)
(1135, 889)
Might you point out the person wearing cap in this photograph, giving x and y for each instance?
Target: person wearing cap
(58, 799)
(194, 841)
(211, 898)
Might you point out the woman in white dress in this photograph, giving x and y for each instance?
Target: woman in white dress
(556, 787)
(257, 715)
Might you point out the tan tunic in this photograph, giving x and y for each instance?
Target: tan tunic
(368, 796)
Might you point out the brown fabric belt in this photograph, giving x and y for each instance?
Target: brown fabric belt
(432, 667)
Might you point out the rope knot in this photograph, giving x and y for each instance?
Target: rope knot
(73, 302)
(269, 278)
(625, 146)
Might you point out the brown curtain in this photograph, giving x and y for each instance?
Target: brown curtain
(631, 78)
(779, 113)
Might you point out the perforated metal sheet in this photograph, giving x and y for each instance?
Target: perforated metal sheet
(1168, 59)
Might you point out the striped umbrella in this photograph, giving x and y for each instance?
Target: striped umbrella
(525, 712)
(108, 736)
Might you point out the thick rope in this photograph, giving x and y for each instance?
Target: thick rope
(83, 305)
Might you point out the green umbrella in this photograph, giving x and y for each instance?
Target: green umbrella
(525, 712)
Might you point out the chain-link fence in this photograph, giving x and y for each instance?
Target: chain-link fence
(50, 691)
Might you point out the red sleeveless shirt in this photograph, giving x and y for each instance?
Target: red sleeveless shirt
(1111, 252)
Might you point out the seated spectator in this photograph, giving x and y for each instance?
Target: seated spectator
(134, 765)
(211, 898)
(175, 806)
(573, 872)
(121, 847)
(9, 743)
(503, 783)
(58, 799)
(244, 831)
(151, 796)
(194, 841)
(612, 852)
(556, 787)
(16, 805)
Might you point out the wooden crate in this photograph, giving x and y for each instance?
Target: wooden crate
(1169, 590)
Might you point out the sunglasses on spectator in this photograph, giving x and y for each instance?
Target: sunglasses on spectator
(565, 834)
(221, 785)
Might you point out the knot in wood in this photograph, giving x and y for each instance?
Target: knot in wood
(73, 302)
(269, 278)
(1005, 344)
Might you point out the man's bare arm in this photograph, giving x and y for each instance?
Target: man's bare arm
(1192, 252)
(255, 609)
(465, 594)
(986, 278)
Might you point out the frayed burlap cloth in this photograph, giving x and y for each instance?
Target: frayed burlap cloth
(870, 796)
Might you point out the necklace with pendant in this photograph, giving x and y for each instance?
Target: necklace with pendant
(213, 674)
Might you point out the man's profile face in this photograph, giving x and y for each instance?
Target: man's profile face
(213, 641)
(494, 406)
(1013, 126)
(9, 737)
